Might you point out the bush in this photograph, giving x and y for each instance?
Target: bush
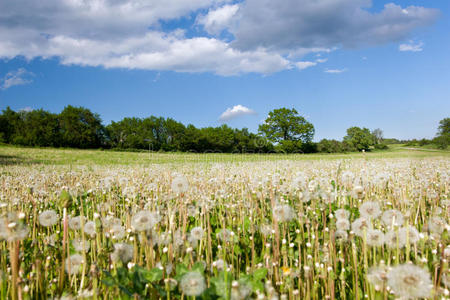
(381, 146)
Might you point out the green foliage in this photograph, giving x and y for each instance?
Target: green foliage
(285, 124)
(381, 146)
(132, 282)
(359, 138)
(444, 127)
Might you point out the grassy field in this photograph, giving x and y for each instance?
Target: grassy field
(50, 156)
(90, 224)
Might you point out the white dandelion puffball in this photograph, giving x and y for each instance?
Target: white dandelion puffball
(48, 218)
(360, 225)
(283, 213)
(75, 222)
(409, 234)
(394, 239)
(377, 276)
(81, 246)
(374, 237)
(342, 214)
(196, 234)
(192, 284)
(370, 210)
(144, 220)
(342, 224)
(409, 281)
(90, 228)
(74, 263)
(392, 217)
(179, 184)
(122, 252)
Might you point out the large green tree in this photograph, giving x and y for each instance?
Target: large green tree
(443, 136)
(81, 128)
(359, 138)
(285, 124)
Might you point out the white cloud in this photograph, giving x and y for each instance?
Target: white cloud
(266, 36)
(335, 71)
(235, 111)
(218, 19)
(301, 65)
(286, 25)
(17, 77)
(411, 46)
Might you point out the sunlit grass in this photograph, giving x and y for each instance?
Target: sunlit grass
(115, 225)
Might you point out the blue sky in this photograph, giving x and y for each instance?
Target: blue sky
(340, 63)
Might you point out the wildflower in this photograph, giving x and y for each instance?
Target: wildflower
(378, 277)
(409, 281)
(89, 228)
(196, 235)
(342, 214)
(48, 218)
(225, 235)
(192, 211)
(219, 264)
(358, 192)
(409, 234)
(117, 232)
(342, 224)
(80, 246)
(74, 263)
(341, 234)
(122, 252)
(436, 225)
(392, 217)
(374, 237)
(179, 184)
(359, 225)
(75, 222)
(370, 210)
(283, 213)
(265, 229)
(192, 284)
(110, 221)
(144, 220)
(393, 239)
(12, 229)
(240, 290)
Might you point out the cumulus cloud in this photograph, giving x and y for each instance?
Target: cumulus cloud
(234, 112)
(411, 46)
(301, 65)
(286, 25)
(264, 36)
(18, 77)
(335, 71)
(218, 19)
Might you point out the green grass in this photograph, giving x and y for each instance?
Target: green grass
(10, 155)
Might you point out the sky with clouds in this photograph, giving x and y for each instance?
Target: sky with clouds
(378, 64)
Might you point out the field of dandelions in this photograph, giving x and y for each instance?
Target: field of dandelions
(322, 229)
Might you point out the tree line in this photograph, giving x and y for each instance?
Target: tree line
(284, 130)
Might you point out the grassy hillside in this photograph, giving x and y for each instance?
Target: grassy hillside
(19, 155)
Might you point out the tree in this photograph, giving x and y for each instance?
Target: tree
(359, 138)
(377, 135)
(80, 128)
(443, 135)
(285, 124)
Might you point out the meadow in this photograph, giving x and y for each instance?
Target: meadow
(91, 224)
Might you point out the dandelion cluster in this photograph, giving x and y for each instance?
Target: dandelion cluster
(276, 229)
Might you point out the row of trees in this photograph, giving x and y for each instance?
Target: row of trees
(284, 130)
(442, 139)
(78, 127)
